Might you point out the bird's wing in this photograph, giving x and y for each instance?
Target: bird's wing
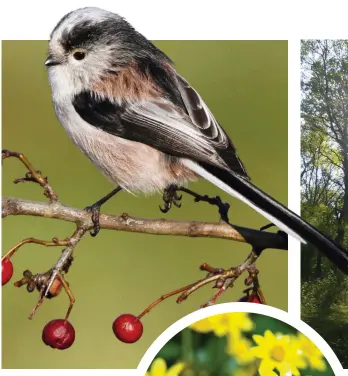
(159, 124)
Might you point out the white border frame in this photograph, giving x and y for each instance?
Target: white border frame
(206, 20)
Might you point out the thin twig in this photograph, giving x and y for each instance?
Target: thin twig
(32, 175)
(223, 280)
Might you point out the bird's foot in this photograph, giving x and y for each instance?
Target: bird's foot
(171, 197)
(95, 211)
(222, 206)
(216, 201)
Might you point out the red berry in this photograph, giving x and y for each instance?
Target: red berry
(127, 328)
(254, 299)
(6, 271)
(59, 334)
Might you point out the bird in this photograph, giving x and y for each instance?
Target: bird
(123, 103)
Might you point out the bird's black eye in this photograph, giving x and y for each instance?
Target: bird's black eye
(79, 55)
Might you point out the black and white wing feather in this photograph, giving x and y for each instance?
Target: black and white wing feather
(205, 121)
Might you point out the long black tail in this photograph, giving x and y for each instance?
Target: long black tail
(280, 215)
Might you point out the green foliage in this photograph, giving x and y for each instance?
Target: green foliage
(324, 181)
(321, 296)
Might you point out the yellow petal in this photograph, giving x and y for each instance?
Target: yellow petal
(240, 349)
(318, 364)
(266, 367)
(269, 336)
(175, 369)
(241, 320)
(159, 367)
(259, 352)
(285, 368)
(300, 362)
(258, 339)
(221, 330)
(294, 370)
(202, 326)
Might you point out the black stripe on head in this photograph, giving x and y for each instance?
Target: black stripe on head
(113, 31)
(88, 32)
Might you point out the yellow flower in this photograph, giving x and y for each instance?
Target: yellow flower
(277, 352)
(240, 349)
(223, 324)
(159, 368)
(311, 353)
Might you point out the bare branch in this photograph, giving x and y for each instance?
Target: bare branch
(258, 239)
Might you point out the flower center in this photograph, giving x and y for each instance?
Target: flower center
(277, 353)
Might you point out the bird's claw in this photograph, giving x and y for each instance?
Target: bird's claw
(95, 211)
(171, 197)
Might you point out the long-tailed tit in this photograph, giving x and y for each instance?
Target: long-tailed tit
(125, 106)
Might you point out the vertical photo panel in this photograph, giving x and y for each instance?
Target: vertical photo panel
(324, 185)
(127, 266)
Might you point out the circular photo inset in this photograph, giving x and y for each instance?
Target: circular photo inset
(240, 344)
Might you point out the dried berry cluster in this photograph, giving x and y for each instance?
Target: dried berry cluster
(60, 334)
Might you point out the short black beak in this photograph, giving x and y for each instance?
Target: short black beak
(50, 61)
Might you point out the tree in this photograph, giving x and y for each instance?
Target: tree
(325, 112)
(324, 182)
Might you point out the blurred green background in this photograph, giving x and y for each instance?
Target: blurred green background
(245, 85)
